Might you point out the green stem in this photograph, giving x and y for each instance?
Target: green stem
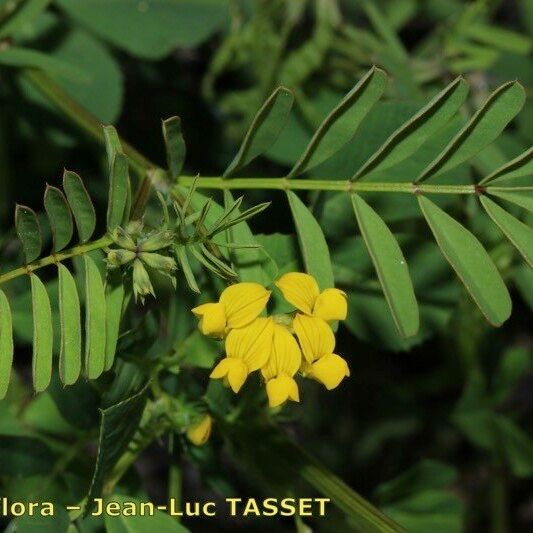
(331, 185)
(174, 485)
(56, 258)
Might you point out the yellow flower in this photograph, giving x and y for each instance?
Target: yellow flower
(237, 306)
(283, 363)
(199, 432)
(247, 350)
(301, 290)
(318, 342)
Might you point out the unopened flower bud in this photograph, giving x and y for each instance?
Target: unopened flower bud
(158, 261)
(156, 241)
(116, 258)
(123, 239)
(199, 432)
(134, 228)
(142, 286)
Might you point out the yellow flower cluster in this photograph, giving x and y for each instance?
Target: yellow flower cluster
(278, 346)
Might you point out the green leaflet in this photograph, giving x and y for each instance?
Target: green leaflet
(114, 301)
(391, 267)
(516, 231)
(6, 344)
(411, 135)
(112, 143)
(118, 424)
(181, 255)
(315, 251)
(80, 204)
(264, 130)
(175, 146)
(118, 191)
(95, 320)
(28, 232)
(523, 199)
(24, 14)
(483, 128)
(516, 168)
(42, 335)
(59, 216)
(159, 521)
(342, 122)
(70, 320)
(470, 261)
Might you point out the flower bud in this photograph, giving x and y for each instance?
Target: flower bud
(134, 228)
(199, 432)
(123, 239)
(158, 261)
(116, 258)
(156, 241)
(142, 286)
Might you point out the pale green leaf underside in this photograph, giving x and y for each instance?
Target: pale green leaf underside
(523, 199)
(28, 232)
(483, 128)
(521, 165)
(59, 216)
(95, 320)
(80, 204)
(471, 262)
(6, 344)
(342, 122)
(313, 245)
(391, 267)
(42, 335)
(118, 191)
(70, 321)
(114, 294)
(413, 133)
(264, 130)
(515, 230)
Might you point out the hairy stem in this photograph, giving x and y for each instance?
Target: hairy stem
(56, 258)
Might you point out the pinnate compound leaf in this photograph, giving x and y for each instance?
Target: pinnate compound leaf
(391, 267)
(6, 344)
(114, 299)
(342, 122)
(117, 427)
(70, 321)
(159, 521)
(95, 320)
(80, 204)
(59, 216)
(411, 135)
(313, 245)
(516, 231)
(29, 232)
(175, 146)
(483, 128)
(42, 335)
(516, 168)
(264, 130)
(523, 199)
(470, 261)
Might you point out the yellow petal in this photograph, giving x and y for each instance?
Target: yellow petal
(315, 336)
(330, 370)
(233, 370)
(251, 344)
(285, 357)
(331, 304)
(212, 319)
(300, 290)
(199, 432)
(243, 303)
(280, 389)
